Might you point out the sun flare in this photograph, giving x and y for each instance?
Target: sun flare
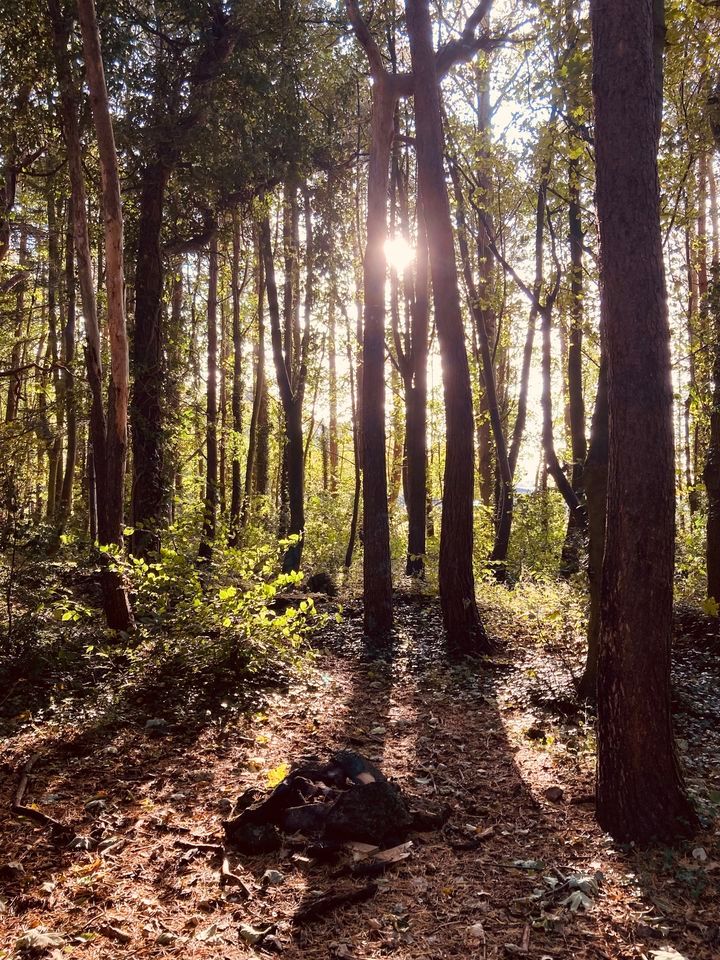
(399, 253)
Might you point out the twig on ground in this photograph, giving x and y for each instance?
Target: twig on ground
(325, 904)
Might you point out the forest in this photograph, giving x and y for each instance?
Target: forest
(360, 479)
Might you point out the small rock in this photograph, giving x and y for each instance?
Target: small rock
(477, 931)
(554, 794)
(176, 797)
(272, 878)
(165, 938)
(224, 805)
(699, 853)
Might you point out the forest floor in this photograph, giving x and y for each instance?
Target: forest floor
(520, 868)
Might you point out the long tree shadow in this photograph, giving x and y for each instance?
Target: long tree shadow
(493, 882)
(521, 867)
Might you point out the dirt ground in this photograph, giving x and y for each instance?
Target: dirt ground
(520, 868)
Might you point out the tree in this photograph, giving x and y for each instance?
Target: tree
(180, 104)
(464, 630)
(211, 446)
(640, 792)
(109, 434)
(292, 392)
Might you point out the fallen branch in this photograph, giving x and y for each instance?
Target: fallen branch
(228, 877)
(329, 902)
(21, 810)
(216, 848)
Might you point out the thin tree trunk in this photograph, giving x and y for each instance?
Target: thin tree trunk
(237, 386)
(257, 435)
(68, 356)
(222, 463)
(15, 380)
(117, 605)
(416, 415)
(211, 453)
(576, 405)
(357, 465)
(292, 402)
(332, 384)
(479, 315)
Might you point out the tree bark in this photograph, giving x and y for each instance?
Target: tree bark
(211, 447)
(256, 464)
(479, 314)
(117, 604)
(640, 791)
(237, 387)
(150, 489)
(464, 630)
(292, 402)
(595, 474)
(711, 474)
(576, 404)
(416, 411)
(377, 578)
(68, 358)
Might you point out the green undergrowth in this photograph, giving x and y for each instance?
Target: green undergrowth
(206, 635)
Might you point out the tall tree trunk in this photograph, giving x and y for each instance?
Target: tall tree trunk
(377, 579)
(68, 358)
(332, 385)
(397, 451)
(150, 488)
(416, 411)
(149, 499)
(54, 440)
(237, 385)
(464, 630)
(222, 415)
(640, 792)
(576, 403)
(711, 473)
(15, 379)
(117, 605)
(486, 276)
(292, 402)
(357, 463)
(211, 452)
(257, 457)
(479, 311)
